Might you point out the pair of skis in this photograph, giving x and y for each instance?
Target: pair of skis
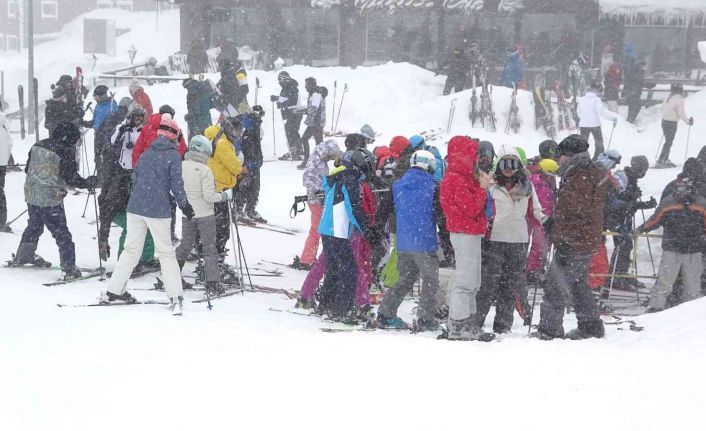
(513, 118)
(485, 114)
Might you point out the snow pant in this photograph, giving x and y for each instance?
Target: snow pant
(444, 235)
(204, 228)
(248, 191)
(197, 123)
(311, 132)
(597, 138)
(338, 290)
(173, 207)
(669, 129)
(363, 278)
(222, 226)
(502, 282)
(622, 255)
(538, 250)
(672, 264)
(137, 227)
(599, 265)
(291, 130)
(567, 276)
(466, 281)
(454, 82)
(98, 158)
(634, 106)
(3, 199)
(147, 251)
(411, 266)
(311, 246)
(54, 218)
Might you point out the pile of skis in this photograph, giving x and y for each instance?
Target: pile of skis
(484, 113)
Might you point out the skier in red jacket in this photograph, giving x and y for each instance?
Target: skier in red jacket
(149, 134)
(140, 97)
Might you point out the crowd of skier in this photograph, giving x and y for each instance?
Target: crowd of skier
(502, 222)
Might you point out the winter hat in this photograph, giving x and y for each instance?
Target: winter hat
(547, 149)
(640, 165)
(283, 75)
(125, 102)
(166, 109)
(201, 144)
(66, 133)
(368, 132)
(381, 153)
(58, 92)
(398, 145)
(168, 128)
(416, 141)
(134, 85)
(423, 159)
(362, 159)
(355, 140)
(100, 90)
(692, 170)
(64, 80)
(572, 145)
(310, 83)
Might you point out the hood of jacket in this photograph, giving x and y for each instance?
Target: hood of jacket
(576, 162)
(327, 150)
(197, 157)
(462, 155)
(162, 144)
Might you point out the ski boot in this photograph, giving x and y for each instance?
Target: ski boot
(71, 274)
(424, 325)
(37, 261)
(214, 288)
(592, 328)
(383, 322)
(5, 229)
(297, 264)
(305, 304)
(467, 330)
(176, 305)
(256, 217)
(243, 219)
(111, 298)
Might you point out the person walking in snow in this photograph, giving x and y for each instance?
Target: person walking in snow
(201, 193)
(137, 92)
(157, 175)
(513, 197)
(5, 155)
(463, 196)
(200, 98)
(288, 104)
(315, 117)
(117, 186)
(672, 112)
(590, 110)
(51, 169)
(576, 231)
(414, 196)
(681, 214)
(316, 169)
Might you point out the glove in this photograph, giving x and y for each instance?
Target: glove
(91, 183)
(548, 224)
(103, 250)
(652, 203)
(274, 98)
(691, 121)
(227, 194)
(188, 211)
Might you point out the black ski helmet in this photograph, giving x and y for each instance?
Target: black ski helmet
(547, 149)
(487, 148)
(676, 88)
(355, 140)
(100, 90)
(362, 159)
(572, 145)
(166, 109)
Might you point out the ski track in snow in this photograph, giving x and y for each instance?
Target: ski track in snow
(241, 366)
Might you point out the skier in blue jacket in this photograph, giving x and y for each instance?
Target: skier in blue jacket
(105, 106)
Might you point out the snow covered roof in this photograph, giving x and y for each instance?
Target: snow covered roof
(662, 7)
(392, 5)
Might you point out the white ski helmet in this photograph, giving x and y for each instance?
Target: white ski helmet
(423, 159)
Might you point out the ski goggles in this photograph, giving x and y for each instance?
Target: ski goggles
(509, 165)
(486, 154)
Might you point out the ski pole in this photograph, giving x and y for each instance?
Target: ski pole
(95, 211)
(274, 139)
(343, 96)
(649, 246)
(688, 135)
(239, 249)
(333, 108)
(611, 136)
(15, 219)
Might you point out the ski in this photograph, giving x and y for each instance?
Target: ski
(473, 114)
(513, 120)
(67, 281)
(332, 330)
(452, 111)
(297, 311)
(108, 304)
(137, 273)
(212, 297)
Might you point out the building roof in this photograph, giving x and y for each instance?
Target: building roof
(662, 7)
(392, 5)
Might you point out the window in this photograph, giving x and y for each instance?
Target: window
(104, 4)
(12, 8)
(124, 5)
(12, 43)
(49, 9)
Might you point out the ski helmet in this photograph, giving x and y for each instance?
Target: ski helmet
(283, 76)
(136, 111)
(355, 140)
(548, 166)
(639, 165)
(676, 88)
(125, 102)
(100, 90)
(486, 150)
(416, 141)
(572, 145)
(547, 149)
(424, 160)
(368, 132)
(362, 159)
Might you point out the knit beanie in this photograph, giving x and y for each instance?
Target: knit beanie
(640, 165)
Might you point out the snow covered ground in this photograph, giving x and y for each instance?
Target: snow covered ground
(242, 366)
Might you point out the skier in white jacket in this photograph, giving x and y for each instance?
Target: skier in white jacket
(5, 154)
(590, 110)
(672, 112)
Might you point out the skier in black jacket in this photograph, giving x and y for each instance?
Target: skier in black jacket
(248, 187)
(457, 67)
(287, 103)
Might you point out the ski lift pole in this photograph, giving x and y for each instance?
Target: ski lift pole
(611, 135)
(333, 108)
(340, 107)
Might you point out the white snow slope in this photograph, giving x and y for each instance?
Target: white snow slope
(242, 366)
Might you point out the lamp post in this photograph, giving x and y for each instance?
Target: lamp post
(131, 52)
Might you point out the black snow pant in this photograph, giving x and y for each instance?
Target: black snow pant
(455, 83)
(502, 281)
(222, 226)
(317, 133)
(669, 129)
(54, 218)
(337, 295)
(634, 107)
(248, 192)
(444, 235)
(622, 255)
(597, 138)
(3, 199)
(291, 130)
(568, 274)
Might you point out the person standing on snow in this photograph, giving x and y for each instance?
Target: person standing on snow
(137, 92)
(200, 98)
(105, 106)
(5, 154)
(576, 231)
(157, 176)
(456, 67)
(103, 137)
(672, 112)
(51, 169)
(59, 110)
(632, 89)
(513, 71)
(414, 196)
(199, 186)
(590, 110)
(234, 89)
(315, 117)
(288, 104)
(611, 83)
(463, 197)
(505, 251)
(149, 134)
(248, 189)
